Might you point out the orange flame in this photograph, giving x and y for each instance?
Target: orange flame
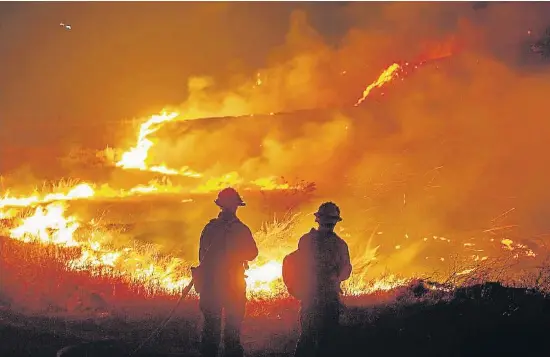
(99, 254)
(83, 190)
(135, 157)
(389, 73)
(141, 264)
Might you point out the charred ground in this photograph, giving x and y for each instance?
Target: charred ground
(485, 319)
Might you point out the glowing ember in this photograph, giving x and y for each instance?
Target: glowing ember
(509, 245)
(358, 287)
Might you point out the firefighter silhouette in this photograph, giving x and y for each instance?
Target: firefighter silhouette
(226, 245)
(313, 274)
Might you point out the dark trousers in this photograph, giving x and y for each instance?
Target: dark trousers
(212, 307)
(319, 328)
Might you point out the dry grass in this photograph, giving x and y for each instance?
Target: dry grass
(35, 279)
(36, 282)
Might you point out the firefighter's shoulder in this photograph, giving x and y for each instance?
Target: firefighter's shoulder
(307, 238)
(211, 224)
(241, 226)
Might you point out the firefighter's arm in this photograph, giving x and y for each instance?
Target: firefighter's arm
(345, 263)
(247, 245)
(204, 243)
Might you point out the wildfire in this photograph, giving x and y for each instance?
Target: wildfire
(386, 283)
(86, 190)
(386, 76)
(99, 252)
(233, 179)
(270, 183)
(509, 245)
(83, 190)
(48, 226)
(138, 265)
(136, 156)
(263, 278)
(436, 51)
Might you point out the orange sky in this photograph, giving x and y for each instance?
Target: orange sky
(124, 60)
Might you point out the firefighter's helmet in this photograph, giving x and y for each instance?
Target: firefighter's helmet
(229, 197)
(328, 212)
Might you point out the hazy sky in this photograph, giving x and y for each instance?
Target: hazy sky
(122, 60)
(125, 60)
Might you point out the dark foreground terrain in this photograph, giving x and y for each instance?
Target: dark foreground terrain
(484, 320)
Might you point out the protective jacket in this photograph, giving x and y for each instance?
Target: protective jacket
(317, 268)
(226, 244)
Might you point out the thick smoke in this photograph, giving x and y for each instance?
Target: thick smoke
(439, 157)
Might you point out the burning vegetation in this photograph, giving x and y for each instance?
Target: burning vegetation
(47, 223)
(420, 146)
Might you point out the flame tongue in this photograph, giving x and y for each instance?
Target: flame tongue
(48, 226)
(83, 190)
(136, 156)
(389, 73)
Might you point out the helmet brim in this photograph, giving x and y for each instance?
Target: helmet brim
(328, 218)
(239, 204)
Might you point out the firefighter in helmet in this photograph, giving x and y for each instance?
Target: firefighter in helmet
(226, 245)
(322, 263)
